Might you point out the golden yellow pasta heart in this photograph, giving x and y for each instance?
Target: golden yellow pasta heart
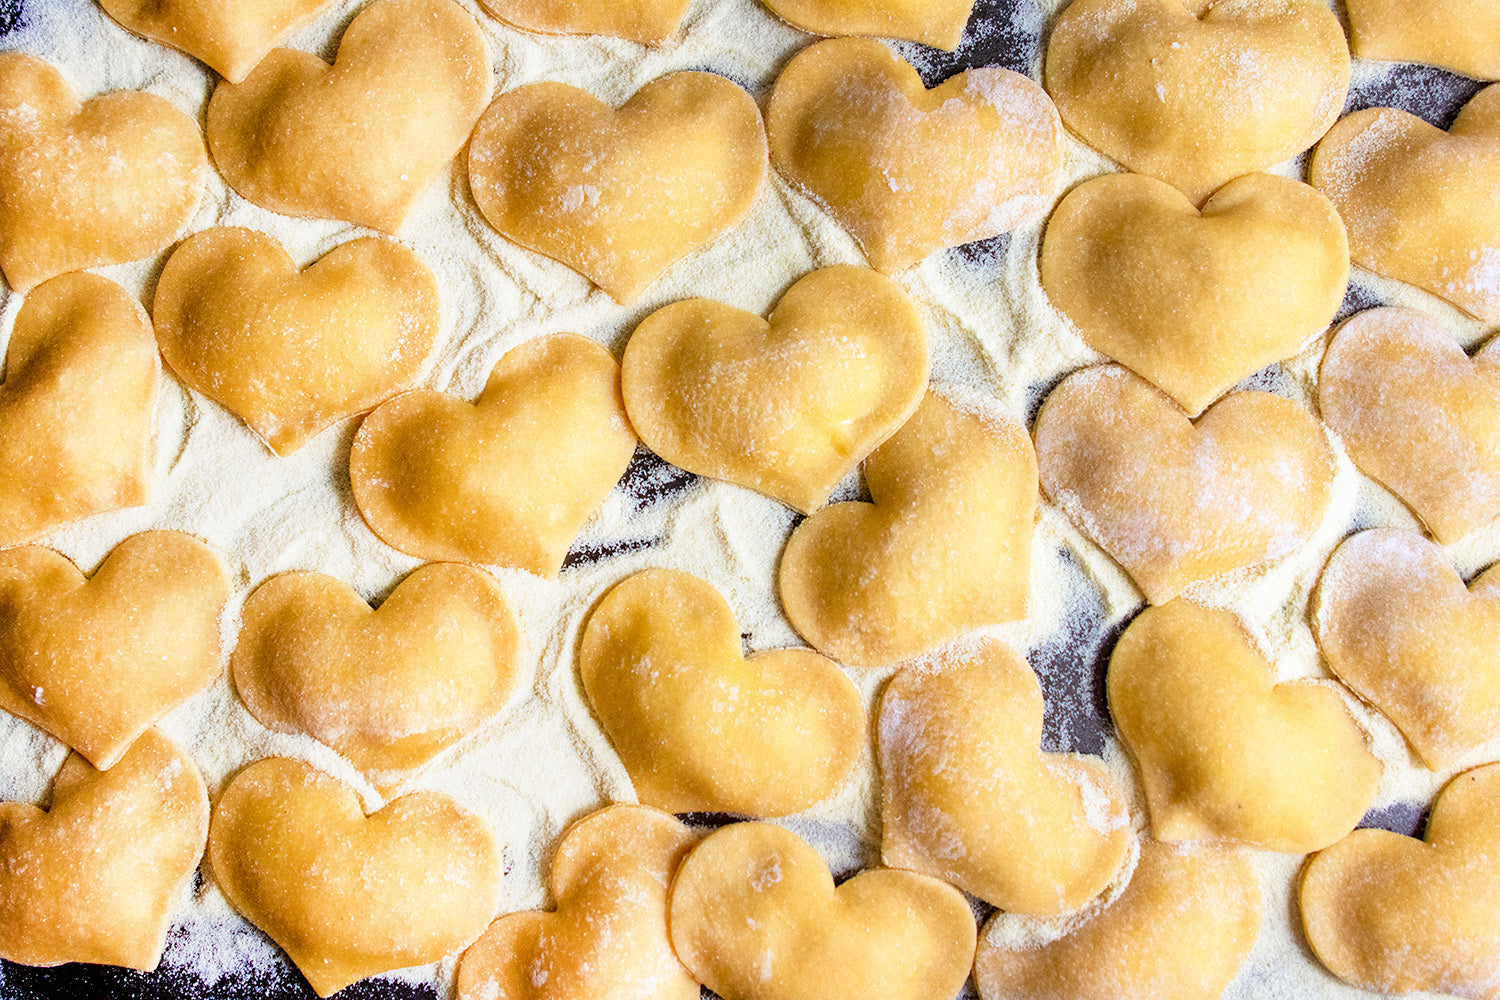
(1392, 914)
(1175, 502)
(787, 407)
(1196, 93)
(508, 480)
(231, 36)
(1422, 205)
(1419, 415)
(755, 916)
(939, 23)
(391, 688)
(699, 726)
(361, 139)
(1224, 751)
(1191, 301)
(645, 21)
(1181, 930)
(96, 877)
(1460, 35)
(619, 195)
(347, 895)
(909, 170)
(608, 936)
(76, 406)
(291, 353)
(103, 182)
(968, 797)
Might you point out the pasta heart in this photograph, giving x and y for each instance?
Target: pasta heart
(700, 727)
(103, 182)
(1196, 301)
(390, 688)
(1419, 415)
(359, 140)
(755, 916)
(231, 36)
(1224, 751)
(789, 406)
(939, 23)
(347, 895)
(76, 406)
(1392, 914)
(97, 661)
(645, 21)
(1196, 93)
(95, 878)
(967, 796)
(909, 170)
(944, 548)
(1173, 501)
(1460, 35)
(619, 195)
(1422, 205)
(1398, 626)
(291, 352)
(608, 936)
(510, 479)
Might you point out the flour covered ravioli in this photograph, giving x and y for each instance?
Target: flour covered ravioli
(939, 23)
(647, 21)
(1460, 35)
(229, 35)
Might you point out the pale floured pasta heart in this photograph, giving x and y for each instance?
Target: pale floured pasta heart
(1174, 501)
(1224, 752)
(608, 935)
(646, 21)
(97, 661)
(755, 916)
(291, 352)
(1197, 93)
(229, 35)
(944, 548)
(1461, 35)
(619, 195)
(1398, 626)
(1395, 915)
(939, 23)
(97, 876)
(1422, 205)
(347, 895)
(75, 407)
(967, 795)
(359, 140)
(1419, 415)
(909, 170)
(789, 406)
(111, 180)
(699, 726)
(509, 479)
(388, 688)
(1195, 302)
(1180, 930)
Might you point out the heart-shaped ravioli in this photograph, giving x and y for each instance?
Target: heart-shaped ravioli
(291, 353)
(1419, 415)
(608, 936)
(944, 548)
(1197, 93)
(95, 878)
(619, 195)
(909, 170)
(75, 407)
(755, 916)
(508, 480)
(968, 797)
(390, 688)
(698, 725)
(1174, 501)
(645, 21)
(347, 895)
(1422, 205)
(103, 182)
(1181, 929)
(1399, 627)
(96, 661)
(229, 35)
(361, 139)
(1196, 301)
(939, 23)
(1461, 35)
(1224, 751)
(789, 406)
(1392, 914)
